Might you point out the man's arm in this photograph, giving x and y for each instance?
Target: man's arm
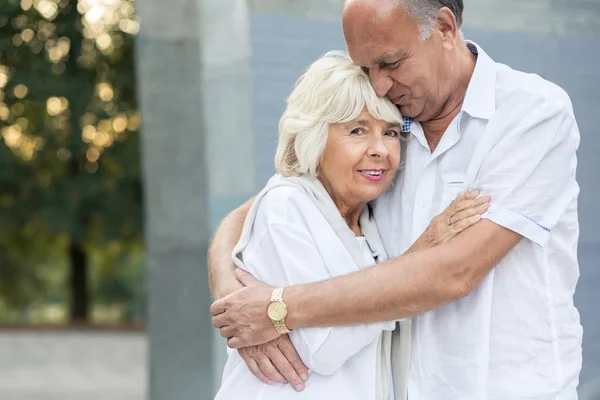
(414, 283)
(402, 287)
(221, 269)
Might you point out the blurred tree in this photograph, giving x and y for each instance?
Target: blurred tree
(69, 163)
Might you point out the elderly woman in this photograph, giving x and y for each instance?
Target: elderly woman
(339, 148)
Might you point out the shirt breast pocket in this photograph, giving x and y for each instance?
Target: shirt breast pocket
(453, 186)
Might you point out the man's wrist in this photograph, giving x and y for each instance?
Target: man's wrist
(297, 315)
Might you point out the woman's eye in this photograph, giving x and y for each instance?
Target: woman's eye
(356, 131)
(393, 133)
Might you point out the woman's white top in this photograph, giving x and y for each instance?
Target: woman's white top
(292, 243)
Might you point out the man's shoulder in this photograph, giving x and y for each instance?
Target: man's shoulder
(520, 89)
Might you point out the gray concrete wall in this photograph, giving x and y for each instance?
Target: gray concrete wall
(527, 16)
(283, 45)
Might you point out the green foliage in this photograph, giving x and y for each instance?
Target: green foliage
(69, 151)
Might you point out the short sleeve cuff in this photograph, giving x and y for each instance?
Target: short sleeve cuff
(520, 223)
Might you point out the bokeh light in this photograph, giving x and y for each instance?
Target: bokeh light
(20, 91)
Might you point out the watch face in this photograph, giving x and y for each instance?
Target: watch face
(277, 311)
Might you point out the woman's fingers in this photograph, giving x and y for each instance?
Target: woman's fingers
(469, 212)
(256, 371)
(454, 206)
(465, 201)
(266, 366)
(465, 204)
(289, 351)
(285, 368)
(465, 223)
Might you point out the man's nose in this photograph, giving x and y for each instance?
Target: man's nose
(381, 83)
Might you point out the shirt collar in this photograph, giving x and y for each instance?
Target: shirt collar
(480, 98)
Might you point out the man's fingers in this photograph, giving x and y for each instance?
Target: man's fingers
(267, 368)
(220, 321)
(253, 367)
(218, 307)
(235, 343)
(289, 352)
(226, 332)
(244, 277)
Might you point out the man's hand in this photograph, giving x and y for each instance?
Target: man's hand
(242, 316)
(276, 362)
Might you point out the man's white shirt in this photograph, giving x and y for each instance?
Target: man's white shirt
(518, 335)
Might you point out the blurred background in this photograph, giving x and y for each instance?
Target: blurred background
(105, 216)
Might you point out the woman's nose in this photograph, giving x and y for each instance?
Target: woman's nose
(378, 148)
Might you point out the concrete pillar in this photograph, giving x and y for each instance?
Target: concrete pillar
(194, 74)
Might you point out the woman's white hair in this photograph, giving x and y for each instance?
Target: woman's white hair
(332, 90)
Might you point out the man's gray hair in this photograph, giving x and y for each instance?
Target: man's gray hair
(425, 12)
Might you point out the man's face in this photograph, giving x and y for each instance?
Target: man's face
(385, 41)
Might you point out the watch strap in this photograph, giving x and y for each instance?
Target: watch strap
(280, 326)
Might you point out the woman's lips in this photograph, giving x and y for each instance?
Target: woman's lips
(374, 175)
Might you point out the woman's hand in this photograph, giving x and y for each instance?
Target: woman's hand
(276, 362)
(463, 212)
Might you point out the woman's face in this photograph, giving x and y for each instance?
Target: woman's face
(360, 159)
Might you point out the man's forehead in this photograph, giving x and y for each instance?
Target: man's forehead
(370, 53)
(377, 5)
(371, 40)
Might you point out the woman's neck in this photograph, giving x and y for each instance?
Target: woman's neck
(349, 211)
(351, 216)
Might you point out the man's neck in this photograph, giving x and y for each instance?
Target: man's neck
(434, 129)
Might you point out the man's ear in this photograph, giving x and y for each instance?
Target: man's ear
(447, 28)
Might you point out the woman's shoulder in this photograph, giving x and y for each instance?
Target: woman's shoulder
(287, 205)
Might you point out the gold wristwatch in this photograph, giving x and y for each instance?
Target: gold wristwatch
(277, 311)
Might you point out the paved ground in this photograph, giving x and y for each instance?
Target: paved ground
(90, 366)
(72, 366)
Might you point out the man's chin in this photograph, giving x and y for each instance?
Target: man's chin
(408, 110)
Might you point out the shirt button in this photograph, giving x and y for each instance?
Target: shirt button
(423, 204)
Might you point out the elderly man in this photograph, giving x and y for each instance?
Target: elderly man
(492, 310)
